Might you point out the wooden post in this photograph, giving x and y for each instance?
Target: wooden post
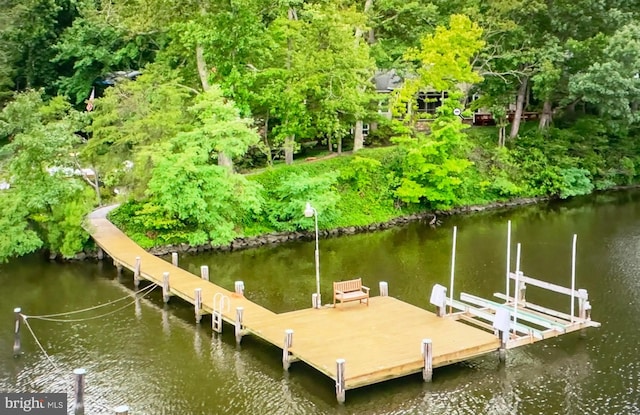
(340, 391)
(78, 407)
(204, 272)
(239, 287)
(121, 410)
(166, 288)
(239, 315)
(427, 357)
(288, 342)
(384, 289)
(174, 259)
(522, 291)
(136, 273)
(17, 344)
(100, 254)
(198, 304)
(583, 304)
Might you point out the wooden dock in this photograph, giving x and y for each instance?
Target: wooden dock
(353, 344)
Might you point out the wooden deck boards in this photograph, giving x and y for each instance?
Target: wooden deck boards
(378, 342)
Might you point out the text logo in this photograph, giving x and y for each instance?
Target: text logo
(33, 403)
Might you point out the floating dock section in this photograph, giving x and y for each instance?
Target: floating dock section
(357, 344)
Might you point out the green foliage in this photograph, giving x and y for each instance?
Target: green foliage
(287, 201)
(575, 182)
(443, 62)
(435, 166)
(46, 202)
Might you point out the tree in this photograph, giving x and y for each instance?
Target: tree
(442, 63)
(434, 167)
(46, 201)
(612, 85)
(96, 44)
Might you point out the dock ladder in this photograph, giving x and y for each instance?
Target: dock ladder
(220, 304)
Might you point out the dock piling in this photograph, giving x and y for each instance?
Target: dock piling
(198, 304)
(166, 288)
(384, 289)
(204, 272)
(174, 259)
(78, 407)
(239, 287)
(340, 383)
(239, 315)
(100, 254)
(121, 410)
(17, 345)
(118, 267)
(427, 356)
(288, 342)
(136, 273)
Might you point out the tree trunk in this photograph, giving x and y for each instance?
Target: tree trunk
(522, 93)
(329, 146)
(202, 67)
(546, 117)
(289, 144)
(340, 145)
(502, 134)
(358, 137)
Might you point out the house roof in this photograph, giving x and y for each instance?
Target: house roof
(387, 80)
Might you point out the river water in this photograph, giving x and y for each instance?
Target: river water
(155, 359)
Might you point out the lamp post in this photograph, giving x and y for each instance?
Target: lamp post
(309, 211)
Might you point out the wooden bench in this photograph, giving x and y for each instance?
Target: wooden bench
(350, 290)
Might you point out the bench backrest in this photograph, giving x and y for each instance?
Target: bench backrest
(346, 286)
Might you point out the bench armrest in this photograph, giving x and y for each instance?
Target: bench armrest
(338, 292)
(365, 289)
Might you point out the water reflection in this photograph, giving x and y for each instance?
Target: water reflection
(173, 368)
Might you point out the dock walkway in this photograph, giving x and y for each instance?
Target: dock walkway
(378, 342)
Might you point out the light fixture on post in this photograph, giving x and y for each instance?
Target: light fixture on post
(310, 211)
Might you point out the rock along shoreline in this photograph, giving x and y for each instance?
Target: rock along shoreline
(280, 237)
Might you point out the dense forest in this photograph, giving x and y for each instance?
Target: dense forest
(202, 117)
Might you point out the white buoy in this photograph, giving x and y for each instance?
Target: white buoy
(427, 356)
(384, 289)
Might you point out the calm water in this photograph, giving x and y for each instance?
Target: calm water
(155, 359)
